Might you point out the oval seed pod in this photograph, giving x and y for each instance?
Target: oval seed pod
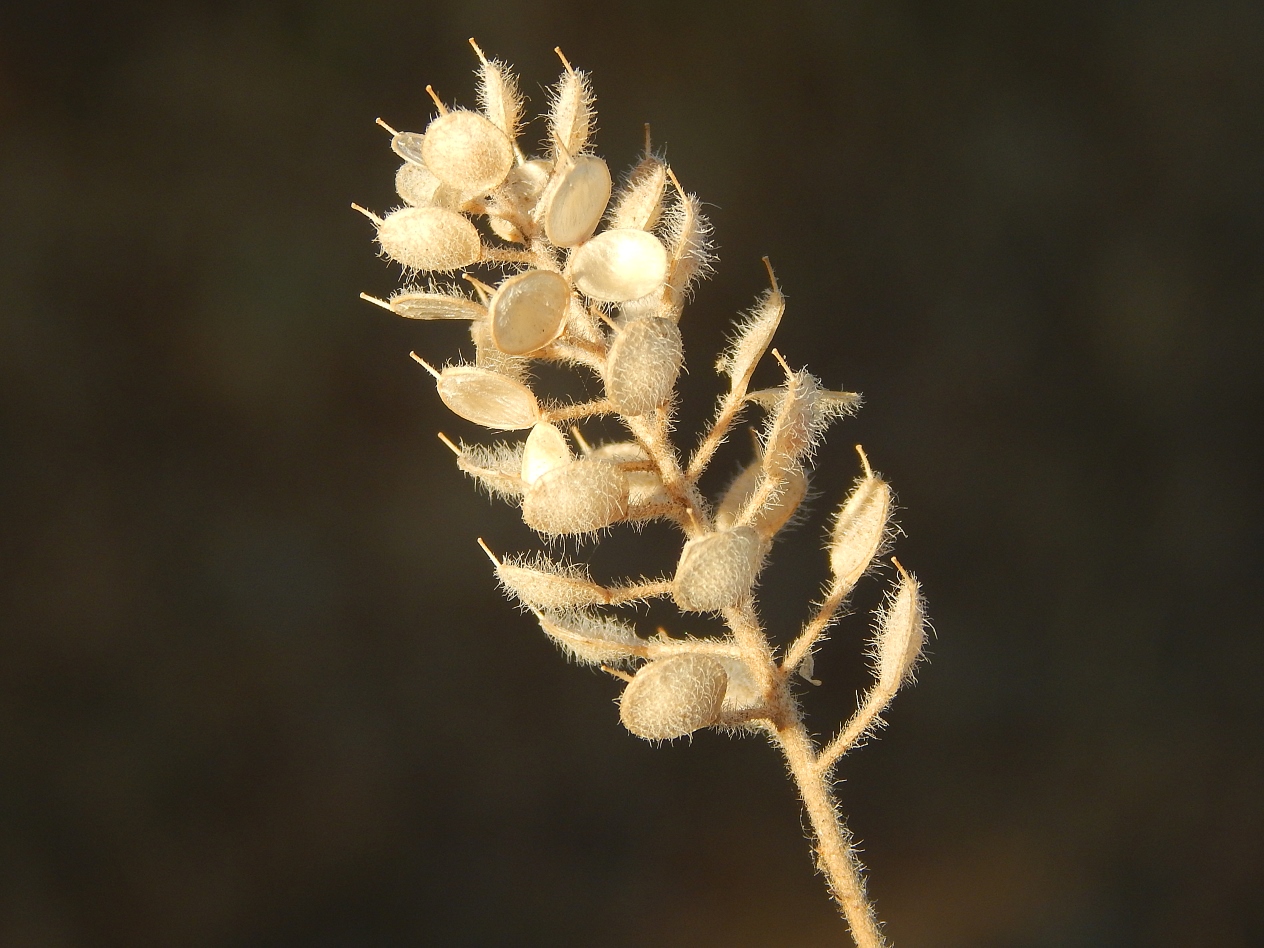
(467, 152)
(860, 529)
(541, 583)
(415, 184)
(429, 238)
(643, 363)
(640, 201)
(408, 146)
(901, 634)
(644, 487)
(717, 570)
(576, 200)
(673, 697)
(620, 265)
(488, 398)
(527, 182)
(420, 304)
(772, 516)
(546, 449)
(581, 497)
(529, 311)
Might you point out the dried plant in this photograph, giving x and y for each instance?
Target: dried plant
(608, 300)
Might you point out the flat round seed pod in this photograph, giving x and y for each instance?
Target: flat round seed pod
(620, 265)
(546, 449)
(717, 570)
(644, 361)
(429, 238)
(417, 304)
(528, 311)
(581, 497)
(673, 697)
(772, 516)
(527, 182)
(415, 184)
(488, 398)
(577, 201)
(860, 530)
(408, 146)
(467, 152)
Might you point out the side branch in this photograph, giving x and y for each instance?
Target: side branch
(815, 627)
(862, 722)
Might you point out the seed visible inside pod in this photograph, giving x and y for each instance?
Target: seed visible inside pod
(901, 634)
(468, 152)
(528, 311)
(581, 497)
(415, 184)
(418, 304)
(673, 697)
(860, 529)
(408, 146)
(487, 398)
(620, 265)
(429, 238)
(527, 181)
(577, 199)
(772, 516)
(546, 449)
(644, 361)
(717, 570)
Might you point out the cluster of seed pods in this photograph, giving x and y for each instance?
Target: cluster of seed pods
(576, 271)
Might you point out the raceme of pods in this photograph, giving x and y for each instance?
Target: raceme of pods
(549, 261)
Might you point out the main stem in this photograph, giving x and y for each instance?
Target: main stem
(834, 850)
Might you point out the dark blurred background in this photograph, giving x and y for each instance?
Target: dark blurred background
(256, 686)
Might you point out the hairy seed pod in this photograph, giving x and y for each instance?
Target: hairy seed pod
(591, 639)
(545, 449)
(494, 466)
(620, 265)
(529, 311)
(429, 238)
(901, 634)
(860, 530)
(583, 496)
(576, 200)
(640, 201)
(543, 584)
(415, 184)
(408, 146)
(467, 152)
(644, 361)
(488, 398)
(743, 690)
(571, 112)
(774, 513)
(718, 570)
(754, 335)
(673, 697)
(644, 487)
(527, 182)
(424, 304)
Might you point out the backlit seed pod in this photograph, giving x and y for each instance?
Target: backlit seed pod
(643, 363)
(467, 152)
(754, 335)
(546, 449)
(673, 697)
(529, 311)
(620, 265)
(583, 496)
(570, 112)
(494, 466)
(901, 634)
(408, 146)
(429, 238)
(644, 487)
(718, 570)
(541, 583)
(576, 200)
(774, 513)
(743, 690)
(527, 182)
(592, 640)
(488, 398)
(415, 184)
(640, 201)
(860, 530)
(423, 304)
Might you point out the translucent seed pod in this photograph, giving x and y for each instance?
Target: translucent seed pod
(415, 184)
(639, 203)
(643, 364)
(590, 639)
(545, 449)
(901, 634)
(743, 690)
(467, 152)
(860, 529)
(673, 697)
(754, 335)
(429, 238)
(498, 94)
(576, 201)
(644, 487)
(620, 265)
(583, 496)
(529, 311)
(431, 304)
(487, 398)
(570, 112)
(775, 512)
(718, 570)
(494, 466)
(539, 582)
(408, 146)
(527, 182)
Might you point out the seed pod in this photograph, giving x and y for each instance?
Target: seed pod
(494, 466)
(488, 398)
(529, 311)
(717, 570)
(860, 529)
(673, 697)
(576, 200)
(742, 691)
(590, 639)
(687, 232)
(620, 265)
(415, 184)
(408, 146)
(467, 152)
(527, 182)
(754, 335)
(429, 238)
(428, 304)
(498, 94)
(581, 497)
(901, 634)
(570, 112)
(644, 487)
(543, 584)
(546, 449)
(640, 201)
(774, 513)
(643, 363)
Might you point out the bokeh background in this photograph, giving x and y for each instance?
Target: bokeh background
(256, 686)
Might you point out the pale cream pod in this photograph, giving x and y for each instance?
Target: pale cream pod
(429, 238)
(546, 449)
(718, 570)
(576, 201)
(421, 304)
(581, 497)
(527, 182)
(620, 265)
(644, 361)
(529, 311)
(408, 146)
(860, 530)
(772, 516)
(673, 697)
(415, 184)
(467, 152)
(901, 634)
(488, 398)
